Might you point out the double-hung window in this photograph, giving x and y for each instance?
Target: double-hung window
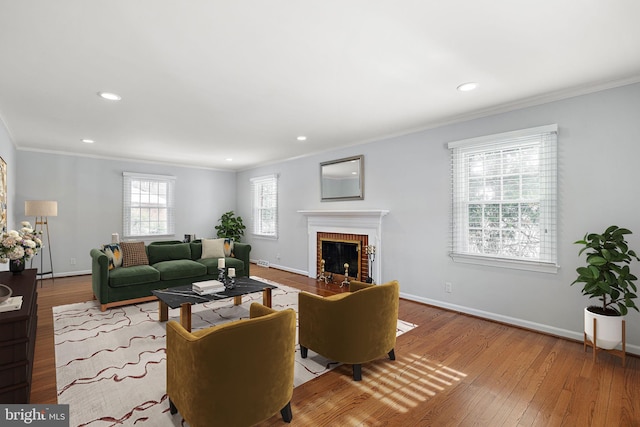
(265, 206)
(504, 193)
(148, 205)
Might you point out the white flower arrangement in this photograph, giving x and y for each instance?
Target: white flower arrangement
(21, 245)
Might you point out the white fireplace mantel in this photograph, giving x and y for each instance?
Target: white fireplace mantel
(359, 221)
(351, 212)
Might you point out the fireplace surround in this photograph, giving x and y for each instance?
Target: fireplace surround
(349, 223)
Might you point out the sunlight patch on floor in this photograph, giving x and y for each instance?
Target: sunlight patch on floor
(404, 383)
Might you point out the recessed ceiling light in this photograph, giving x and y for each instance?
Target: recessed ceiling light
(110, 96)
(302, 138)
(466, 87)
(88, 141)
(229, 159)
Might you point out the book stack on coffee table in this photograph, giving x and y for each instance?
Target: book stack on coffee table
(208, 287)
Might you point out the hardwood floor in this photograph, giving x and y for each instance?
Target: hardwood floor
(452, 370)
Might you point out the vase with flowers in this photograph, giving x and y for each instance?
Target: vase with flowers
(18, 247)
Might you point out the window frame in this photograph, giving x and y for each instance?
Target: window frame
(258, 206)
(128, 204)
(459, 240)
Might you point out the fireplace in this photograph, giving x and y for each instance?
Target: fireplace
(336, 249)
(362, 227)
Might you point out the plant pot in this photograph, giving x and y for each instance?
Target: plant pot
(609, 329)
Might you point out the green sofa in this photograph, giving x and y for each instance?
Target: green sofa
(171, 263)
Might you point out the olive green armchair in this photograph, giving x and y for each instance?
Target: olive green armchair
(235, 374)
(353, 327)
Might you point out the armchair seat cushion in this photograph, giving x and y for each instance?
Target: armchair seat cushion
(179, 269)
(136, 275)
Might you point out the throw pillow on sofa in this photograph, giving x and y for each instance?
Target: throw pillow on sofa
(212, 248)
(114, 253)
(133, 253)
(228, 247)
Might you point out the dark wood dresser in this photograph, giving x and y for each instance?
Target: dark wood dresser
(18, 338)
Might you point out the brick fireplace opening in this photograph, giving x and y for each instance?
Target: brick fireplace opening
(336, 249)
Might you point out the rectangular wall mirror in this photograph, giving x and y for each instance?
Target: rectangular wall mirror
(342, 179)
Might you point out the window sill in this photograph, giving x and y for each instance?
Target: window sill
(264, 236)
(148, 237)
(542, 267)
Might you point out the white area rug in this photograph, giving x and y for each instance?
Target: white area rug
(110, 366)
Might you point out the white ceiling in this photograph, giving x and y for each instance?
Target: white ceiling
(206, 80)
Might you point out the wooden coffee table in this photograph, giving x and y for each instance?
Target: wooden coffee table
(184, 297)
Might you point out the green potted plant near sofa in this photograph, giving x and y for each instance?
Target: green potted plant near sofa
(230, 226)
(608, 278)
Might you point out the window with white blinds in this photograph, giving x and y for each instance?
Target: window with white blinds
(504, 191)
(148, 205)
(265, 206)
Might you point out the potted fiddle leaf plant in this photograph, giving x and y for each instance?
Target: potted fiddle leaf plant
(607, 277)
(230, 226)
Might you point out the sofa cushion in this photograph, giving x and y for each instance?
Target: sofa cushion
(114, 253)
(159, 253)
(179, 269)
(133, 253)
(212, 265)
(213, 248)
(136, 275)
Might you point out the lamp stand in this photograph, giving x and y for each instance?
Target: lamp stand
(43, 222)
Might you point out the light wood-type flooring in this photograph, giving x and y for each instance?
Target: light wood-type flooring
(452, 370)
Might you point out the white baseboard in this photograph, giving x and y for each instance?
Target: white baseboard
(539, 327)
(68, 273)
(283, 268)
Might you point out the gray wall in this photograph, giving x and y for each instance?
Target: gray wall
(599, 148)
(89, 195)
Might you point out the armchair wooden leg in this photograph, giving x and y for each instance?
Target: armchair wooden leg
(286, 413)
(172, 408)
(357, 372)
(392, 354)
(303, 352)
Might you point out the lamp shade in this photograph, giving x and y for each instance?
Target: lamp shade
(40, 208)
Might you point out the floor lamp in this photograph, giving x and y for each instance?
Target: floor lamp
(42, 210)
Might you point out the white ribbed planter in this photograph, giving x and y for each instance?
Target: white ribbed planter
(609, 329)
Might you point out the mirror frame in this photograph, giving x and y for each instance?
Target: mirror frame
(345, 196)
